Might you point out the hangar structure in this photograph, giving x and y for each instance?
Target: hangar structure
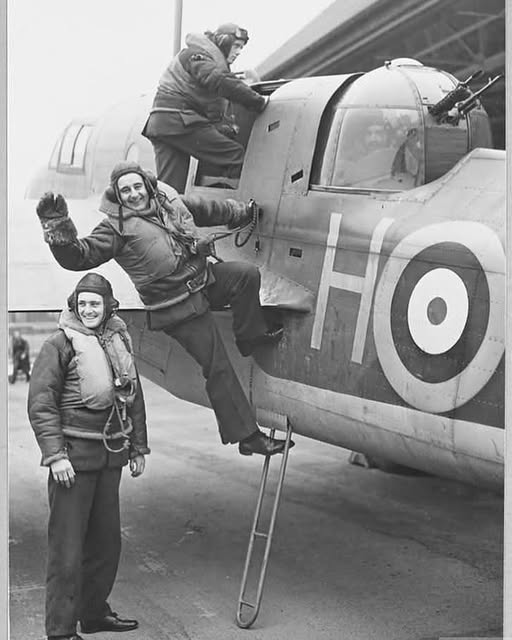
(458, 36)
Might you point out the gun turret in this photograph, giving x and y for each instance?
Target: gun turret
(459, 94)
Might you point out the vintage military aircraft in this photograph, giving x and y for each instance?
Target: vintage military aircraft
(381, 248)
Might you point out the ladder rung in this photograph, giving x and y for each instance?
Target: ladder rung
(245, 622)
(247, 604)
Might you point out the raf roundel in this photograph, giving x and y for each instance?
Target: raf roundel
(438, 309)
(439, 314)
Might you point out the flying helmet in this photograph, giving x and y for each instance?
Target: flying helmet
(225, 35)
(95, 283)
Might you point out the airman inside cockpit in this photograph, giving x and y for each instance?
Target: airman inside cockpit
(372, 153)
(370, 156)
(408, 159)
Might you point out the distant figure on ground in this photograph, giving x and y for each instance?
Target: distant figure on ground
(151, 233)
(20, 357)
(190, 113)
(86, 407)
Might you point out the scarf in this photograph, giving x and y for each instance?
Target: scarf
(165, 209)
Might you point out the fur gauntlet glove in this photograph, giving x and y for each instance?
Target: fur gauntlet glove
(58, 227)
(241, 213)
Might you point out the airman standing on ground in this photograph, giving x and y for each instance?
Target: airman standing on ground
(86, 407)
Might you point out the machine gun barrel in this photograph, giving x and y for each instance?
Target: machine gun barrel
(469, 103)
(459, 93)
(472, 77)
(444, 105)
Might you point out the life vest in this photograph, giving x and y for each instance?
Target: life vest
(104, 363)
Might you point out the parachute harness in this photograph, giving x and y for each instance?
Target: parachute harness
(124, 389)
(126, 427)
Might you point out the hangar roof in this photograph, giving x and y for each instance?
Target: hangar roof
(459, 36)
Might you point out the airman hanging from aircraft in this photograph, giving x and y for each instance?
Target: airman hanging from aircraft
(151, 232)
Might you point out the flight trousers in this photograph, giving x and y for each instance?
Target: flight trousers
(236, 284)
(84, 545)
(223, 156)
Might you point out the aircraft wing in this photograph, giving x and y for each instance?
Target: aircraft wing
(36, 282)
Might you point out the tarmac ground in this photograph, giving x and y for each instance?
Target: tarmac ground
(357, 554)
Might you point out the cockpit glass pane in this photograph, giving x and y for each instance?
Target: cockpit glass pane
(74, 145)
(54, 158)
(133, 153)
(377, 149)
(66, 152)
(80, 146)
(328, 159)
(431, 86)
(380, 87)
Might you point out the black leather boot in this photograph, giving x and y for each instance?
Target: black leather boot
(262, 444)
(110, 622)
(270, 337)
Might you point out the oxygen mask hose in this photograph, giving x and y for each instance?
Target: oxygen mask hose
(239, 240)
(248, 230)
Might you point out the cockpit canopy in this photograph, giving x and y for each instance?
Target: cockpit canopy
(377, 133)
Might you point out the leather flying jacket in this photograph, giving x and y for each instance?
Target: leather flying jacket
(198, 83)
(155, 259)
(64, 426)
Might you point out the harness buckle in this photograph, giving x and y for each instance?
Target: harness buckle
(195, 284)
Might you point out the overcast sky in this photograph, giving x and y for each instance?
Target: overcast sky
(73, 57)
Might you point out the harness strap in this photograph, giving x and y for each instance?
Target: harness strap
(164, 109)
(74, 432)
(124, 421)
(120, 434)
(182, 292)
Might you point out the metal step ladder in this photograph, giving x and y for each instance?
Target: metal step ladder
(245, 619)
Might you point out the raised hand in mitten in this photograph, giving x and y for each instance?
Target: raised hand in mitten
(51, 206)
(58, 227)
